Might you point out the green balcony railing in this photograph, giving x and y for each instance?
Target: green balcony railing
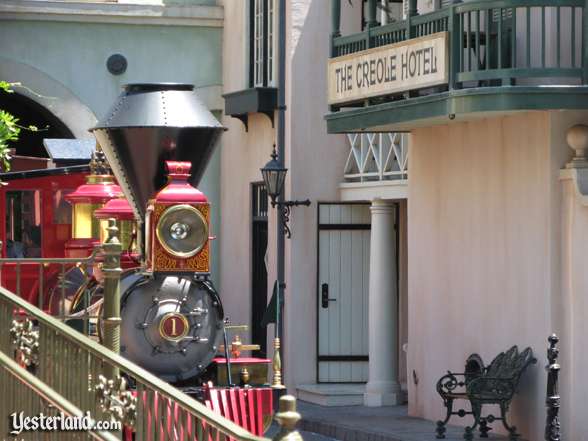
(493, 42)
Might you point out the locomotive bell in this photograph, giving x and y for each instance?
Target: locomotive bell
(150, 124)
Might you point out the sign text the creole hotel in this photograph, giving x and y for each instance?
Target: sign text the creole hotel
(411, 64)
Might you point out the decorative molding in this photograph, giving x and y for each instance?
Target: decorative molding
(25, 339)
(119, 13)
(577, 168)
(241, 103)
(368, 191)
(580, 178)
(115, 400)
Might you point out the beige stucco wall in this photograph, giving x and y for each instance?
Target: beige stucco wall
(315, 161)
(484, 210)
(242, 155)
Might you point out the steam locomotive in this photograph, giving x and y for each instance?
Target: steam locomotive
(158, 140)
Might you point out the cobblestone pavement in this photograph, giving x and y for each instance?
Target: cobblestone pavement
(358, 423)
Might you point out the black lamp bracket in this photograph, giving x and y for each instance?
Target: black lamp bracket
(285, 208)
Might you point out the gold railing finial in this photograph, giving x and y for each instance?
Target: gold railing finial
(277, 366)
(98, 164)
(112, 231)
(287, 417)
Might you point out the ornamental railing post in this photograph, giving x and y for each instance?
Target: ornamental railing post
(552, 425)
(287, 418)
(111, 312)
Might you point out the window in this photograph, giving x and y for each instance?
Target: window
(23, 223)
(261, 42)
(61, 208)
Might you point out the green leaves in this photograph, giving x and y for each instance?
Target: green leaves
(9, 131)
(9, 128)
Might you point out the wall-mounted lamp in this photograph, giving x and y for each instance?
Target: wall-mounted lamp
(274, 176)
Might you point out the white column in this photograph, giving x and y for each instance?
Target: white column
(383, 388)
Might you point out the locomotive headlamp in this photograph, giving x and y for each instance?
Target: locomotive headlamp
(179, 230)
(182, 230)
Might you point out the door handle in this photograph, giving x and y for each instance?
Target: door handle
(325, 296)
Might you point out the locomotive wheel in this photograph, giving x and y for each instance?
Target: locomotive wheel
(74, 280)
(87, 295)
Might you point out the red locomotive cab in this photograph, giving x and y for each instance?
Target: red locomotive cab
(178, 223)
(37, 223)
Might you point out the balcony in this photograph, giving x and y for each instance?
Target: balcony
(491, 57)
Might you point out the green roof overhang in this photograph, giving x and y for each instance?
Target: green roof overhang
(460, 105)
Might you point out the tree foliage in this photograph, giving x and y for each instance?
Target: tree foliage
(9, 128)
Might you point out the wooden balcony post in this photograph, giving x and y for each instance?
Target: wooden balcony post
(585, 43)
(335, 18)
(371, 19)
(412, 11)
(454, 45)
(412, 8)
(112, 271)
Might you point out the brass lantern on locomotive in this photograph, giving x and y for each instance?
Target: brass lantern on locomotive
(100, 187)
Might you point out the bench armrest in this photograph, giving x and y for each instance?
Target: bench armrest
(449, 382)
(491, 389)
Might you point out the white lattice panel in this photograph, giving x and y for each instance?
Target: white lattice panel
(377, 157)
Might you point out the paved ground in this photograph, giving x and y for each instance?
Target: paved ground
(358, 423)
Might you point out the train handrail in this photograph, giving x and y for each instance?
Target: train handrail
(105, 356)
(54, 260)
(43, 284)
(30, 383)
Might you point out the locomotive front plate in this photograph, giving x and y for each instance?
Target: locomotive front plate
(171, 325)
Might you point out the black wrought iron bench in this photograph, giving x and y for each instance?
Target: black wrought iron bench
(495, 384)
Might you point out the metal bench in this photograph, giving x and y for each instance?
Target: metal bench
(480, 385)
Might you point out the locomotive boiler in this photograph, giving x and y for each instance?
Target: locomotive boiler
(158, 139)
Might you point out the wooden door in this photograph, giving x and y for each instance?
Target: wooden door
(258, 267)
(342, 292)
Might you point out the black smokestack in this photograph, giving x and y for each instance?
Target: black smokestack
(152, 123)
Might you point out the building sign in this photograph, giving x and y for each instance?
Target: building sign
(412, 64)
